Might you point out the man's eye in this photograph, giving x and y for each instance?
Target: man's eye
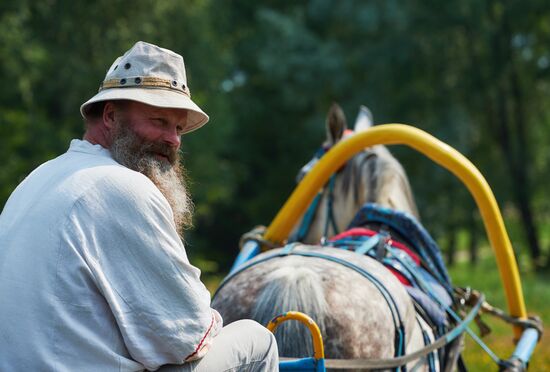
(158, 122)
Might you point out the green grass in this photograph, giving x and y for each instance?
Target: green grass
(485, 277)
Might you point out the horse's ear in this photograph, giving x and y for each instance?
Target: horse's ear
(335, 124)
(364, 120)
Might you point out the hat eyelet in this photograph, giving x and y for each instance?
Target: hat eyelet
(127, 66)
(174, 83)
(122, 81)
(183, 86)
(137, 80)
(115, 67)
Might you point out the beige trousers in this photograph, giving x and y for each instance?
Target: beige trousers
(240, 346)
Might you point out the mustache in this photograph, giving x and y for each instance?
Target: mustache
(156, 148)
(135, 152)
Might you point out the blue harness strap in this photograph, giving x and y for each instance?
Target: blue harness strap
(303, 365)
(423, 286)
(330, 221)
(427, 341)
(369, 244)
(409, 227)
(330, 208)
(306, 221)
(377, 246)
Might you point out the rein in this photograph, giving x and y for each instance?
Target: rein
(330, 208)
(305, 225)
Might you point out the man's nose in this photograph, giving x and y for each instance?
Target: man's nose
(172, 138)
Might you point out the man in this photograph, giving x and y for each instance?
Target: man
(93, 273)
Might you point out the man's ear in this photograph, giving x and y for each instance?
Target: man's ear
(109, 115)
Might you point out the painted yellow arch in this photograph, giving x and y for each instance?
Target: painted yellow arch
(439, 152)
(318, 348)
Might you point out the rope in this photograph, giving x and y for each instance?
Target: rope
(427, 288)
(257, 235)
(471, 295)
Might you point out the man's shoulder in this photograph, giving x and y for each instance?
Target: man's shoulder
(114, 191)
(117, 180)
(79, 175)
(118, 174)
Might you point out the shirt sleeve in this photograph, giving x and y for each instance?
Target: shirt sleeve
(127, 237)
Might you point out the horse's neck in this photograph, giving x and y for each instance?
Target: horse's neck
(373, 176)
(389, 185)
(348, 195)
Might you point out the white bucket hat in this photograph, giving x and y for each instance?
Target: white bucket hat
(151, 75)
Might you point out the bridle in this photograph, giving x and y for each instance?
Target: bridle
(328, 188)
(305, 225)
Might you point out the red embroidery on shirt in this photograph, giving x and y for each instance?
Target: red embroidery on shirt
(202, 341)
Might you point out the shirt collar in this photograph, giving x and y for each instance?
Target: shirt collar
(88, 148)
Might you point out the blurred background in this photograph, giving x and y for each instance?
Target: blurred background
(474, 73)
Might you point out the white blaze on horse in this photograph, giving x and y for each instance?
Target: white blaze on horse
(361, 307)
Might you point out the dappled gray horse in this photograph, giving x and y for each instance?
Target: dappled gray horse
(355, 317)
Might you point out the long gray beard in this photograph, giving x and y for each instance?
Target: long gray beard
(133, 152)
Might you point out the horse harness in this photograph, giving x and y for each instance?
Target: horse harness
(400, 358)
(399, 259)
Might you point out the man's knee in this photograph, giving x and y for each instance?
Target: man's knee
(259, 342)
(241, 345)
(253, 332)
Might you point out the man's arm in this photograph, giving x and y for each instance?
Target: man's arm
(127, 236)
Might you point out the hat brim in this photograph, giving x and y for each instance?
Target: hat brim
(164, 98)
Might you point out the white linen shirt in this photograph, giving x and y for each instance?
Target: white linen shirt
(93, 275)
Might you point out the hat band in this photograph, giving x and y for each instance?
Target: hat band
(145, 82)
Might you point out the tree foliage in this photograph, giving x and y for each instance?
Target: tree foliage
(473, 73)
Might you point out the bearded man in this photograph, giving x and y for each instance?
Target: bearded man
(93, 273)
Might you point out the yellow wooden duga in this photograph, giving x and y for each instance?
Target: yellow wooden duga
(439, 152)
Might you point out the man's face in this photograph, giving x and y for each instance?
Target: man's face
(160, 126)
(147, 139)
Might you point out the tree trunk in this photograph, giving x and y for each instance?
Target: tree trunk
(512, 131)
(473, 246)
(522, 189)
(451, 246)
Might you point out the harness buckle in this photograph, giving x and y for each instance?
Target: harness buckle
(384, 240)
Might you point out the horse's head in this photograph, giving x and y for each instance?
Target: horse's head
(371, 176)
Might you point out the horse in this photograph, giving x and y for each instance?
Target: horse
(354, 315)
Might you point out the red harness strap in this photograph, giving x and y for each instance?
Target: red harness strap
(359, 231)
